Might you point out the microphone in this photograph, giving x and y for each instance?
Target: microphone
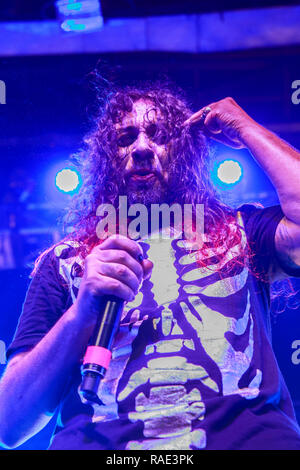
(98, 353)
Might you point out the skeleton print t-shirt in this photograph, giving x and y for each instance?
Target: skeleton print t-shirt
(192, 364)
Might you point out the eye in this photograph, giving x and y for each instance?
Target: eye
(158, 133)
(151, 130)
(127, 137)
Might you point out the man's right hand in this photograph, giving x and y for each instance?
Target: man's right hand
(112, 268)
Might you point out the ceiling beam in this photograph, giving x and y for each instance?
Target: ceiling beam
(199, 33)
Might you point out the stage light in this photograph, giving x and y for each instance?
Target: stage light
(84, 16)
(227, 173)
(68, 181)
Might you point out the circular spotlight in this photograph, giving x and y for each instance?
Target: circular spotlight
(229, 172)
(67, 180)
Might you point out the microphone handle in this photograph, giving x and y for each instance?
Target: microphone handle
(98, 354)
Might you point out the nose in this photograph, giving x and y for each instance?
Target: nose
(142, 149)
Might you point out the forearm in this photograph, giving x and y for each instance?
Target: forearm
(31, 389)
(281, 163)
(33, 385)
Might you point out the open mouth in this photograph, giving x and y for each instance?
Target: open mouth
(142, 175)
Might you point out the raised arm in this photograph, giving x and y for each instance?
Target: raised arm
(228, 123)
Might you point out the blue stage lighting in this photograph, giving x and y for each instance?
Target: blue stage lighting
(68, 181)
(227, 173)
(81, 16)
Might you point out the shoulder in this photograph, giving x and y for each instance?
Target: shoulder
(249, 209)
(274, 237)
(69, 256)
(287, 243)
(63, 252)
(259, 220)
(67, 249)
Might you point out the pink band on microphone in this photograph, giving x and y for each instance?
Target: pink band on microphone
(97, 355)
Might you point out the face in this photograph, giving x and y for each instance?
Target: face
(143, 153)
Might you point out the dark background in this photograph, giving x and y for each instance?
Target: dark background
(18, 10)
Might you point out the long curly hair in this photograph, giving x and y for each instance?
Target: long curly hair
(189, 170)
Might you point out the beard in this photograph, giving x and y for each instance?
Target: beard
(176, 188)
(154, 191)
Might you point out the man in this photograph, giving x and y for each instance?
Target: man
(192, 366)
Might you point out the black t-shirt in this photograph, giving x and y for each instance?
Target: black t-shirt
(192, 364)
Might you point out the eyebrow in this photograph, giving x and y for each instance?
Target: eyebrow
(132, 128)
(126, 129)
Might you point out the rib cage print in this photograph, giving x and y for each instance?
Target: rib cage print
(187, 336)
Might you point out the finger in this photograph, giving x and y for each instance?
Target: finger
(111, 286)
(147, 266)
(142, 269)
(199, 116)
(121, 273)
(212, 123)
(193, 118)
(120, 242)
(121, 257)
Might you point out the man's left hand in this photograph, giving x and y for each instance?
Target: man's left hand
(224, 121)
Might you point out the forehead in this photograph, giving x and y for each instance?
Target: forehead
(143, 111)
